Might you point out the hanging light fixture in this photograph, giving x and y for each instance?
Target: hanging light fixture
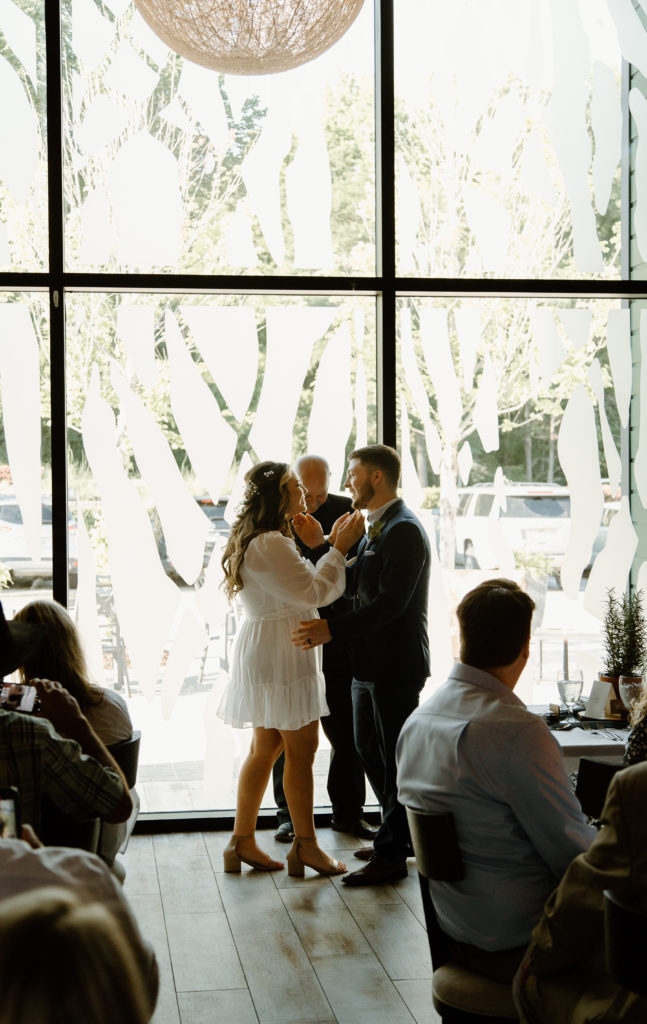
(249, 37)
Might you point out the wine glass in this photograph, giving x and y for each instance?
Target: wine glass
(570, 691)
(630, 689)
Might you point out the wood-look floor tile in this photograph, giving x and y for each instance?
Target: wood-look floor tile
(141, 867)
(227, 1006)
(187, 883)
(409, 891)
(150, 918)
(324, 925)
(359, 989)
(203, 953)
(175, 845)
(417, 996)
(397, 938)
(280, 977)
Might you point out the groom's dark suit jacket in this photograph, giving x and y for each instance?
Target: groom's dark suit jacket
(389, 583)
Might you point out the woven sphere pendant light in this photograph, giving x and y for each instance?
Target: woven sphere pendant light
(249, 37)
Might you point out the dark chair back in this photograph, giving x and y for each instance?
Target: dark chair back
(454, 987)
(625, 941)
(126, 754)
(59, 829)
(593, 780)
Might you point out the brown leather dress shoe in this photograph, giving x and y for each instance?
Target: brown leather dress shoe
(365, 853)
(378, 871)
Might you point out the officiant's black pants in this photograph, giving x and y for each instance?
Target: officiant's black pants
(379, 712)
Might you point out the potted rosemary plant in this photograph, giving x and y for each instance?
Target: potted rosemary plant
(624, 638)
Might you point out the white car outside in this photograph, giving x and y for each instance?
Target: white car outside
(532, 518)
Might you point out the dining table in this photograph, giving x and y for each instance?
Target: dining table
(591, 738)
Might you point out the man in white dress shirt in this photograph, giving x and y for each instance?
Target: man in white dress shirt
(475, 750)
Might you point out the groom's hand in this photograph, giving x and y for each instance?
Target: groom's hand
(311, 634)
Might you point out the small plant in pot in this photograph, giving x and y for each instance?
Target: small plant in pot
(624, 637)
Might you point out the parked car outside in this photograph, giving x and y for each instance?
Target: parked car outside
(14, 553)
(536, 519)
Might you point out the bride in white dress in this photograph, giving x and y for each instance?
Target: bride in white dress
(275, 687)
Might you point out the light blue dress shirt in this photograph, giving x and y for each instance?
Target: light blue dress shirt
(475, 750)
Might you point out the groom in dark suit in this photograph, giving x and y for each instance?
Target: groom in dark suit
(387, 631)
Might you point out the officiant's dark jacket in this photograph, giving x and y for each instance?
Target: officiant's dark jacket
(389, 584)
(327, 514)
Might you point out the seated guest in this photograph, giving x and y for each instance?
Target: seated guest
(475, 750)
(58, 755)
(26, 866)
(60, 656)
(562, 977)
(63, 958)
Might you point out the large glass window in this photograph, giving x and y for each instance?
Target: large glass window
(171, 399)
(198, 271)
(266, 175)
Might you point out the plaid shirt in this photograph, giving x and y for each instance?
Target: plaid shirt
(40, 763)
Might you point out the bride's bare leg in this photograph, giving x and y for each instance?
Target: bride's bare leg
(298, 782)
(252, 782)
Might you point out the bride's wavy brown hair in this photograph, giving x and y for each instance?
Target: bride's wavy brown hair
(264, 507)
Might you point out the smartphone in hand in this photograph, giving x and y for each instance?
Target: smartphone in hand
(19, 697)
(10, 824)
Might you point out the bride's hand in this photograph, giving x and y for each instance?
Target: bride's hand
(332, 536)
(308, 530)
(349, 531)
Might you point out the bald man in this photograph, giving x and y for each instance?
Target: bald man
(346, 781)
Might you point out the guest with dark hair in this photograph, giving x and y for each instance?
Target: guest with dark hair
(473, 749)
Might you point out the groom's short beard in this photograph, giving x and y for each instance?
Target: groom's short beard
(364, 496)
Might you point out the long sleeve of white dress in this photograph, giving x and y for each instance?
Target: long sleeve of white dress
(274, 684)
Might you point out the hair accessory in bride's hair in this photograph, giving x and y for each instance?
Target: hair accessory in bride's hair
(265, 476)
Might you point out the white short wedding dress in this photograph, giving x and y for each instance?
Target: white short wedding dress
(273, 683)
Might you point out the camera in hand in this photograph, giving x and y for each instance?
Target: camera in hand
(19, 697)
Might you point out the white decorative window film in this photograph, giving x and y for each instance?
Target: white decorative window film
(25, 462)
(23, 151)
(161, 432)
(508, 137)
(512, 409)
(265, 175)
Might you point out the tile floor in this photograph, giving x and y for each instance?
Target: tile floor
(257, 947)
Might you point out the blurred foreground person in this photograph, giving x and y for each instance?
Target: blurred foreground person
(28, 867)
(64, 959)
(562, 978)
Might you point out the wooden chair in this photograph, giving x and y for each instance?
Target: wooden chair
(593, 780)
(625, 941)
(460, 996)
